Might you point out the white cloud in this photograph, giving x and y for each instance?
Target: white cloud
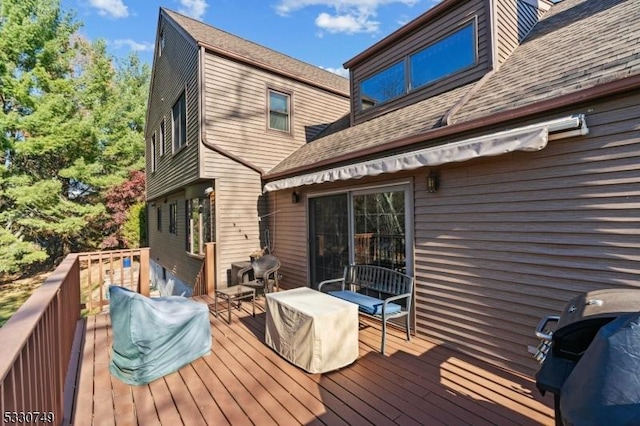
(193, 8)
(340, 71)
(349, 24)
(133, 45)
(113, 8)
(351, 16)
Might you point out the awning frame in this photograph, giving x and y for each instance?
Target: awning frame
(527, 138)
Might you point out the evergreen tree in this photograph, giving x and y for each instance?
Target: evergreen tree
(70, 130)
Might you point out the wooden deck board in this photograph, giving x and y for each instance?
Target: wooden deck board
(244, 382)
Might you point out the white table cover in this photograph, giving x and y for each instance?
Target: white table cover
(312, 330)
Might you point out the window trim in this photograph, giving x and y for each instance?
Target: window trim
(173, 218)
(176, 147)
(161, 43)
(162, 138)
(153, 153)
(289, 95)
(200, 226)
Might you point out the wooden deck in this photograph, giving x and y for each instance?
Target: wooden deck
(244, 382)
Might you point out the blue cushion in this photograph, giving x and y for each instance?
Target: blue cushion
(367, 304)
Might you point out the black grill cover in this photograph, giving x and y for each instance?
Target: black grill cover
(604, 387)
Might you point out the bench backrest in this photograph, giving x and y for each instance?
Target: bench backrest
(377, 278)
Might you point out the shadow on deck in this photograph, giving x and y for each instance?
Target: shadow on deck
(244, 382)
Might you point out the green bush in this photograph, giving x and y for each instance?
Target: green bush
(134, 229)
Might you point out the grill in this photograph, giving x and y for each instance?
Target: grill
(565, 338)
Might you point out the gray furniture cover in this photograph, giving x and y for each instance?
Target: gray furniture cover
(155, 337)
(604, 387)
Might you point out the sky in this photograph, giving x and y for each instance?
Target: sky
(324, 33)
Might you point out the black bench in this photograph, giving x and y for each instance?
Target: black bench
(379, 292)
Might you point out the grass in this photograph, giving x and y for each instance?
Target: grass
(14, 293)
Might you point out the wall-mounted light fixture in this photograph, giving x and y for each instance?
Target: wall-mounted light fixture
(432, 182)
(295, 197)
(208, 191)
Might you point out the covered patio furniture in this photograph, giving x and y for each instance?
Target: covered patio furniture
(265, 274)
(153, 337)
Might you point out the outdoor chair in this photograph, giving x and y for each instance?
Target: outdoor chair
(153, 337)
(265, 274)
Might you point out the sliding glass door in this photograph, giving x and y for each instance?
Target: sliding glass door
(328, 237)
(364, 226)
(379, 236)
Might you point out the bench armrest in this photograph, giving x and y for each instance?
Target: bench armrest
(397, 297)
(335, 280)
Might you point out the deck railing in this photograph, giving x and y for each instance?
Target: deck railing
(36, 348)
(128, 268)
(36, 344)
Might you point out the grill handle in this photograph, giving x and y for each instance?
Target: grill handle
(542, 325)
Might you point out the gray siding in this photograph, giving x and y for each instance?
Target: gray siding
(289, 236)
(236, 120)
(425, 36)
(175, 71)
(508, 241)
(514, 20)
(167, 249)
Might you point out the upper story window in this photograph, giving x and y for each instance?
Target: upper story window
(446, 56)
(161, 43)
(153, 152)
(179, 121)
(383, 86)
(279, 111)
(161, 139)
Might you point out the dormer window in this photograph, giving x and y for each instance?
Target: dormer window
(444, 57)
(384, 86)
(452, 53)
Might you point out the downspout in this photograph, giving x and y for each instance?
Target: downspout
(203, 136)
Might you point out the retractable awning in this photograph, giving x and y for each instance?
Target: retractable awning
(527, 138)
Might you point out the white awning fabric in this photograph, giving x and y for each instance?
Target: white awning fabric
(529, 138)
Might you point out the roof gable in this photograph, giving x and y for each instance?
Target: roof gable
(247, 51)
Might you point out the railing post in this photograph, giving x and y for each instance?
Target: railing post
(144, 272)
(210, 268)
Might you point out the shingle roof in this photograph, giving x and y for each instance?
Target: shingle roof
(219, 39)
(577, 45)
(405, 122)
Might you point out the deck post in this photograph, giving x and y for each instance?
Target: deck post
(144, 272)
(210, 268)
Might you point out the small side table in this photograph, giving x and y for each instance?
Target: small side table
(235, 293)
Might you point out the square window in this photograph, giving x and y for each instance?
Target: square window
(279, 111)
